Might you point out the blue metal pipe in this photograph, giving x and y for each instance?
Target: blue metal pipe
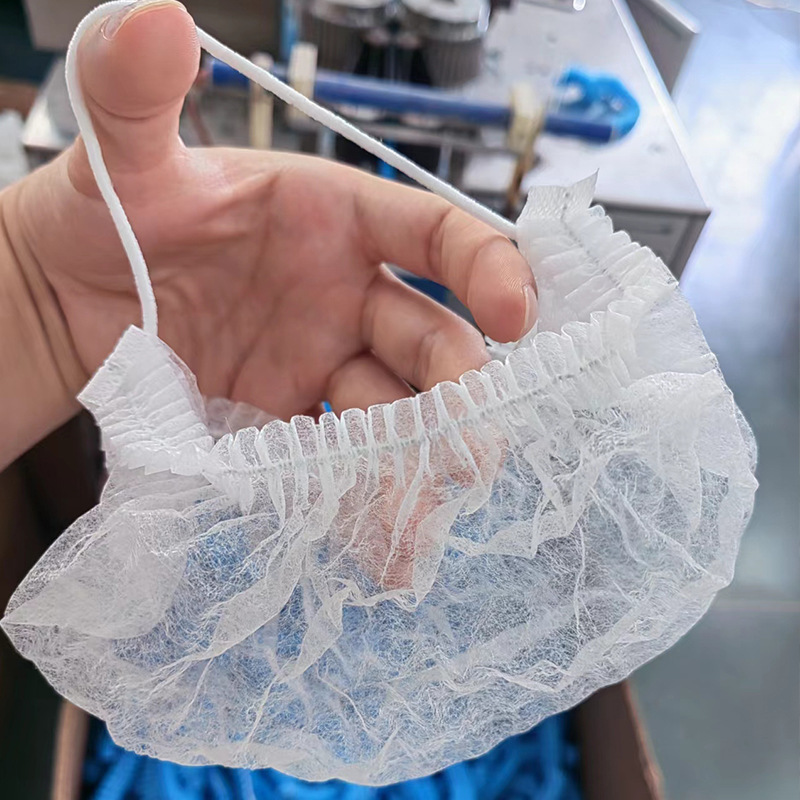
(605, 110)
(399, 98)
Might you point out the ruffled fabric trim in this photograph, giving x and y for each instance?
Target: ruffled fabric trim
(148, 407)
(595, 288)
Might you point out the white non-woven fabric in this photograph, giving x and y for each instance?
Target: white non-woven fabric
(378, 595)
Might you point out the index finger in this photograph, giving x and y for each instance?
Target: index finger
(433, 239)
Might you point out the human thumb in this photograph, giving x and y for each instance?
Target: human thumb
(135, 70)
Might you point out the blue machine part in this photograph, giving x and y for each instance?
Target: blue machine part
(538, 765)
(603, 111)
(601, 98)
(290, 28)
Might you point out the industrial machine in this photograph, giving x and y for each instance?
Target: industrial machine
(409, 71)
(447, 34)
(492, 95)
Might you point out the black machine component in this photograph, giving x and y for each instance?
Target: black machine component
(338, 28)
(451, 34)
(436, 42)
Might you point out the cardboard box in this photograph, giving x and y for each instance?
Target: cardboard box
(616, 763)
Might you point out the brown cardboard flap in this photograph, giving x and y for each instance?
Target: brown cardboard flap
(616, 763)
(72, 734)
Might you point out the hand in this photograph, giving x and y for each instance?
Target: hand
(267, 267)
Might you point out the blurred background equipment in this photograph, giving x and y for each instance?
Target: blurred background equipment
(340, 28)
(492, 96)
(668, 32)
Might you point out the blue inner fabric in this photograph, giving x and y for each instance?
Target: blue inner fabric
(541, 764)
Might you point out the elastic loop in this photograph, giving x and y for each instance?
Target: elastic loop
(141, 276)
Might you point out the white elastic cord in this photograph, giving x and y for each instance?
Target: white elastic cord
(286, 93)
(140, 274)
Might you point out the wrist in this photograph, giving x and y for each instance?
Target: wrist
(41, 373)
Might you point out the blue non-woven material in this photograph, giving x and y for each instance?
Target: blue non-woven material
(538, 765)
